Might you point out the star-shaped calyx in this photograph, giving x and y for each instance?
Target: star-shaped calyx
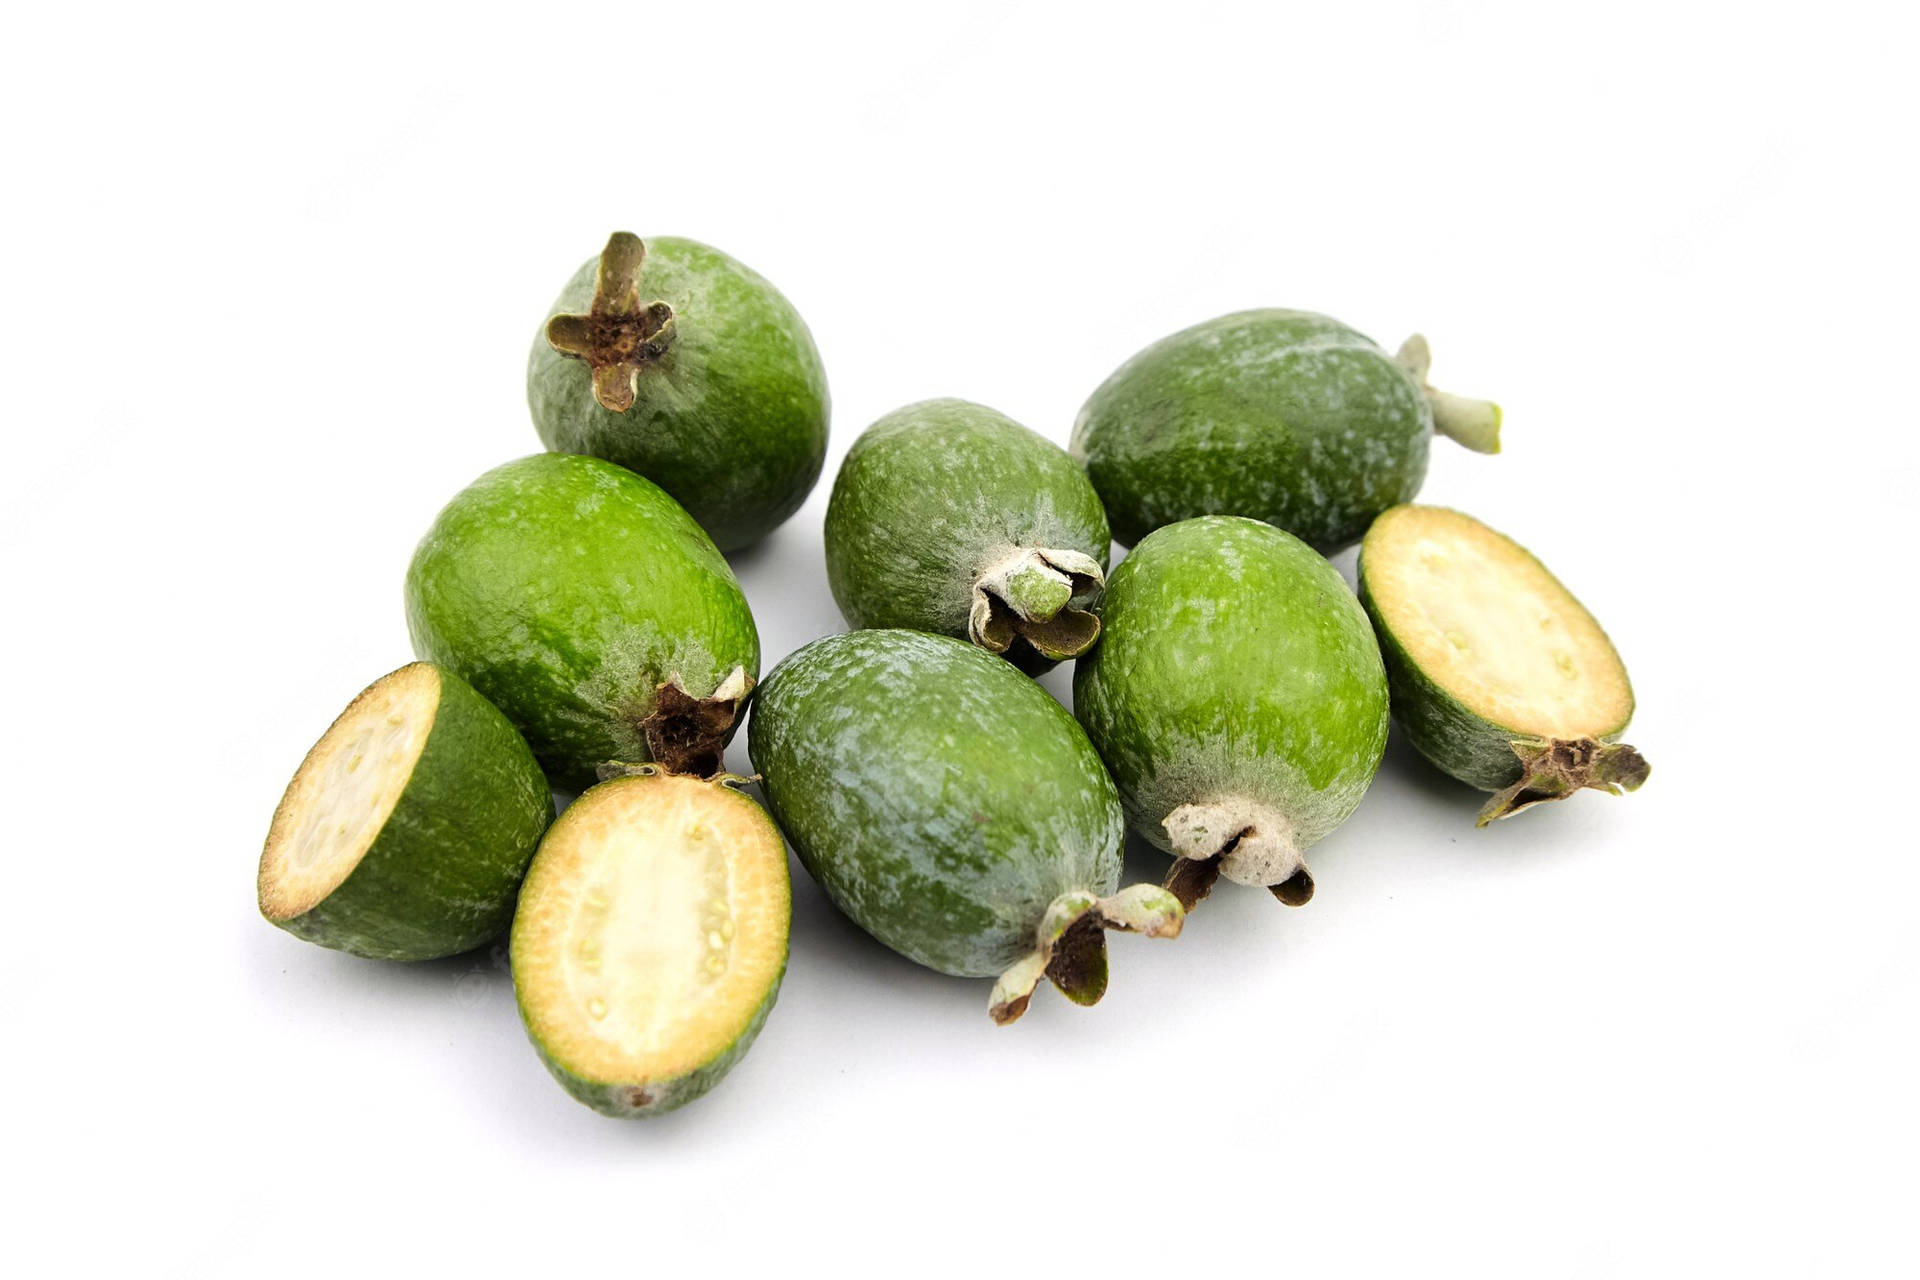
(617, 338)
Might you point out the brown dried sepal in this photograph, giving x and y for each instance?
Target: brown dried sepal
(618, 337)
(688, 735)
(1555, 768)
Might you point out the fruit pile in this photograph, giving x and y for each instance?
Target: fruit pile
(578, 627)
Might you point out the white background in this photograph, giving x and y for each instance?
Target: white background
(269, 278)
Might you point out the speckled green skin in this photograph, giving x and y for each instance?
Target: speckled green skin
(935, 493)
(1458, 740)
(732, 421)
(940, 797)
(1235, 663)
(1285, 416)
(567, 590)
(441, 876)
(640, 1099)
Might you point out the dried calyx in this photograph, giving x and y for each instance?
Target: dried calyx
(1244, 842)
(1555, 768)
(1473, 423)
(1070, 946)
(1041, 598)
(618, 337)
(686, 734)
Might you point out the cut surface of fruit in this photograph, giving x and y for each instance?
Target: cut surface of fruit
(651, 932)
(1486, 621)
(346, 790)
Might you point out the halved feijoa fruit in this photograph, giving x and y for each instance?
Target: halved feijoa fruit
(651, 938)
(407, 828)
(1499, 676)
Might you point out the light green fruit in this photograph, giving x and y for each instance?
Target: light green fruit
(1284, 416)
(952, 809)
(592, 610)
(651, 938)
(1237, 696)
(1500, 677)
(672, 359)
(949, 517)
(405, 832)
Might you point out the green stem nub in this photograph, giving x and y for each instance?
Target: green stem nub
(618, 338)
(1041, 597)
(1473, 423)
(1071, 945)
(687, 734)
(1555, 768)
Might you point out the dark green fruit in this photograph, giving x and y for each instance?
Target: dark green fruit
(673, 360)
(592, 610)
(1284, 416)
(407, 828)
(953, 809)
(1500, 677)
(1238, 698)
(951, 518)
(651, 938)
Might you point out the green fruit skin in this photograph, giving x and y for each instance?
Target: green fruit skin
(655, 1097)
(940, 797)
(937, 492)
(1284, 416)
(441, 876)
(567, 589)
(1235, 663)
(732, 421)
(1456, 739)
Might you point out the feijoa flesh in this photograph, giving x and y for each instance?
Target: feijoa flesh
(651, 938)
(952, 809)
(592, 610)
(672, 359)
(949, 517)
(406, 830)
(1284, 416)
(1500, 677)
(1238, 698)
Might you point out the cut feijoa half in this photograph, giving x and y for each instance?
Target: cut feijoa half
(1499, 676)
(406, 830)
(651, 938)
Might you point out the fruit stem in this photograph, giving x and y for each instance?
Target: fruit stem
(1070, 945)
(688, 734)
(617, 337)
(1248, 843)
(1555, 768)
(1041, 596)
(1473, 423)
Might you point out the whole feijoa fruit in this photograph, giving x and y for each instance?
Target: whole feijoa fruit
(952, 809)
(673, 360)
(1238, 698)
(650, 938)
(949, 517)
(1499, 676)
(405, 832)
(1285, 416)
(592, 610)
